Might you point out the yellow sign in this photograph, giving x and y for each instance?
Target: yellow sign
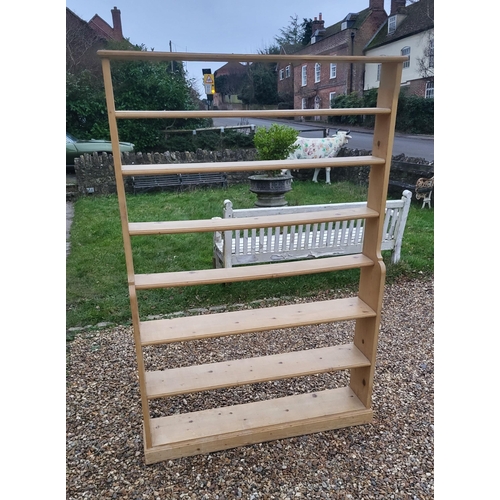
(208, 79)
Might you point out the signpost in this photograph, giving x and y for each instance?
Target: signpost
(209, 84)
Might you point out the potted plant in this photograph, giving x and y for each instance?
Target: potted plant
(274, 143)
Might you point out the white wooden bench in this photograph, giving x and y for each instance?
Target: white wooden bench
(277, 244)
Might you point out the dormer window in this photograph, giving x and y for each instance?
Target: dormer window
(391, 25)
(343, 26)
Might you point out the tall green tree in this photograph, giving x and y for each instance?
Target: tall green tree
(138, 85)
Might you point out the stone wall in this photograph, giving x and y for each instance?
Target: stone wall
(95, 173)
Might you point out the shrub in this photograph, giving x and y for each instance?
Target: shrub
(275, 143)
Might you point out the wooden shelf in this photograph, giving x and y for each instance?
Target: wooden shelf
(252, 272)
(197, 432)
(163, 331)
(259, 113)
(212, 225)
(248, 166)
(212, 376)
(227, 427)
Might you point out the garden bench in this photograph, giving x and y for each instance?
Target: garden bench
(147, 182)
(304, 241)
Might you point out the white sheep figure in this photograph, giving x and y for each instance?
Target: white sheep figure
(327, 147)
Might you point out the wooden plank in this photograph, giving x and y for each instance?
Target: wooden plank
(212, 225)
(207, 377)
(187, 328)
(228, 427)
(257, 272)
(222, 57)
(249, 113)
(248, 166)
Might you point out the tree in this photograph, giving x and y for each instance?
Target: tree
(306, 27)
(141, 85)
(292, 34)
(295, 35)
(425, 63)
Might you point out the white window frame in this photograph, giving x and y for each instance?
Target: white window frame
(304, 75)
(287, 71)
(317, 72)
(379, 68)
(343, 26)
(333, 70)
(282, 74)
(391, 25)
(331, 97)
(429, 90)
(405, 51)
(304, 103)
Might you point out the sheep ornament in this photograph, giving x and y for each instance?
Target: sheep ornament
(327, 147)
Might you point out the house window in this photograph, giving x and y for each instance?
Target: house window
(304, 76)
(379, 67)
(333, 70)
(431, 53)
(282, 73)
(332, 98)
(429, 90)
(304, 103)
(391, 25)
(405, 51)
(287, 72)
(343, 26)
(317, 72)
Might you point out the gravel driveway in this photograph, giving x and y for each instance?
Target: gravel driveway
(391, 458)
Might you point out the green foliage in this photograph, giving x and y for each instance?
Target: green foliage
(260, 85)
(96, 278)
(138, 85)
(292, 34)
(211, 140)
(275, 143)
(86, 112)
(414, 115)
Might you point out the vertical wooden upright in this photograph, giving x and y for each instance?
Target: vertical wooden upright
(173, 436)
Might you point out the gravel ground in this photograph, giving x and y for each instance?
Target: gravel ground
(391, 458)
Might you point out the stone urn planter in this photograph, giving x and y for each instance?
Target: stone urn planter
(270, 190)
(275, 143)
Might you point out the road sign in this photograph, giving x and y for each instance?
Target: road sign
(208, 79)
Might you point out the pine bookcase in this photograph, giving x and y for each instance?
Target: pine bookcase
(199, 432)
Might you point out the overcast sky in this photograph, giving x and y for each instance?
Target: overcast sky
(238, 26)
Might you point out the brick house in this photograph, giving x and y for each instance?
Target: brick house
(83, 39)
(314, 84)
(229, 80)
(409, 30)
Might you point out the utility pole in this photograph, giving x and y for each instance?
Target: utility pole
(171, 62)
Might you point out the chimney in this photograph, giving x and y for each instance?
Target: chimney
(318, 24)
(117, 23)
(376, 4)
(396, 6)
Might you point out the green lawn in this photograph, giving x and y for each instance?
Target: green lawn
(96, 288)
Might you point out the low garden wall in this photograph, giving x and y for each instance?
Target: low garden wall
(95, 173)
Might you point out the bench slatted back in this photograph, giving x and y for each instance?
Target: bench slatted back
(307, 240)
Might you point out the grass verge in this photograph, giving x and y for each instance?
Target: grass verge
(96, 286)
